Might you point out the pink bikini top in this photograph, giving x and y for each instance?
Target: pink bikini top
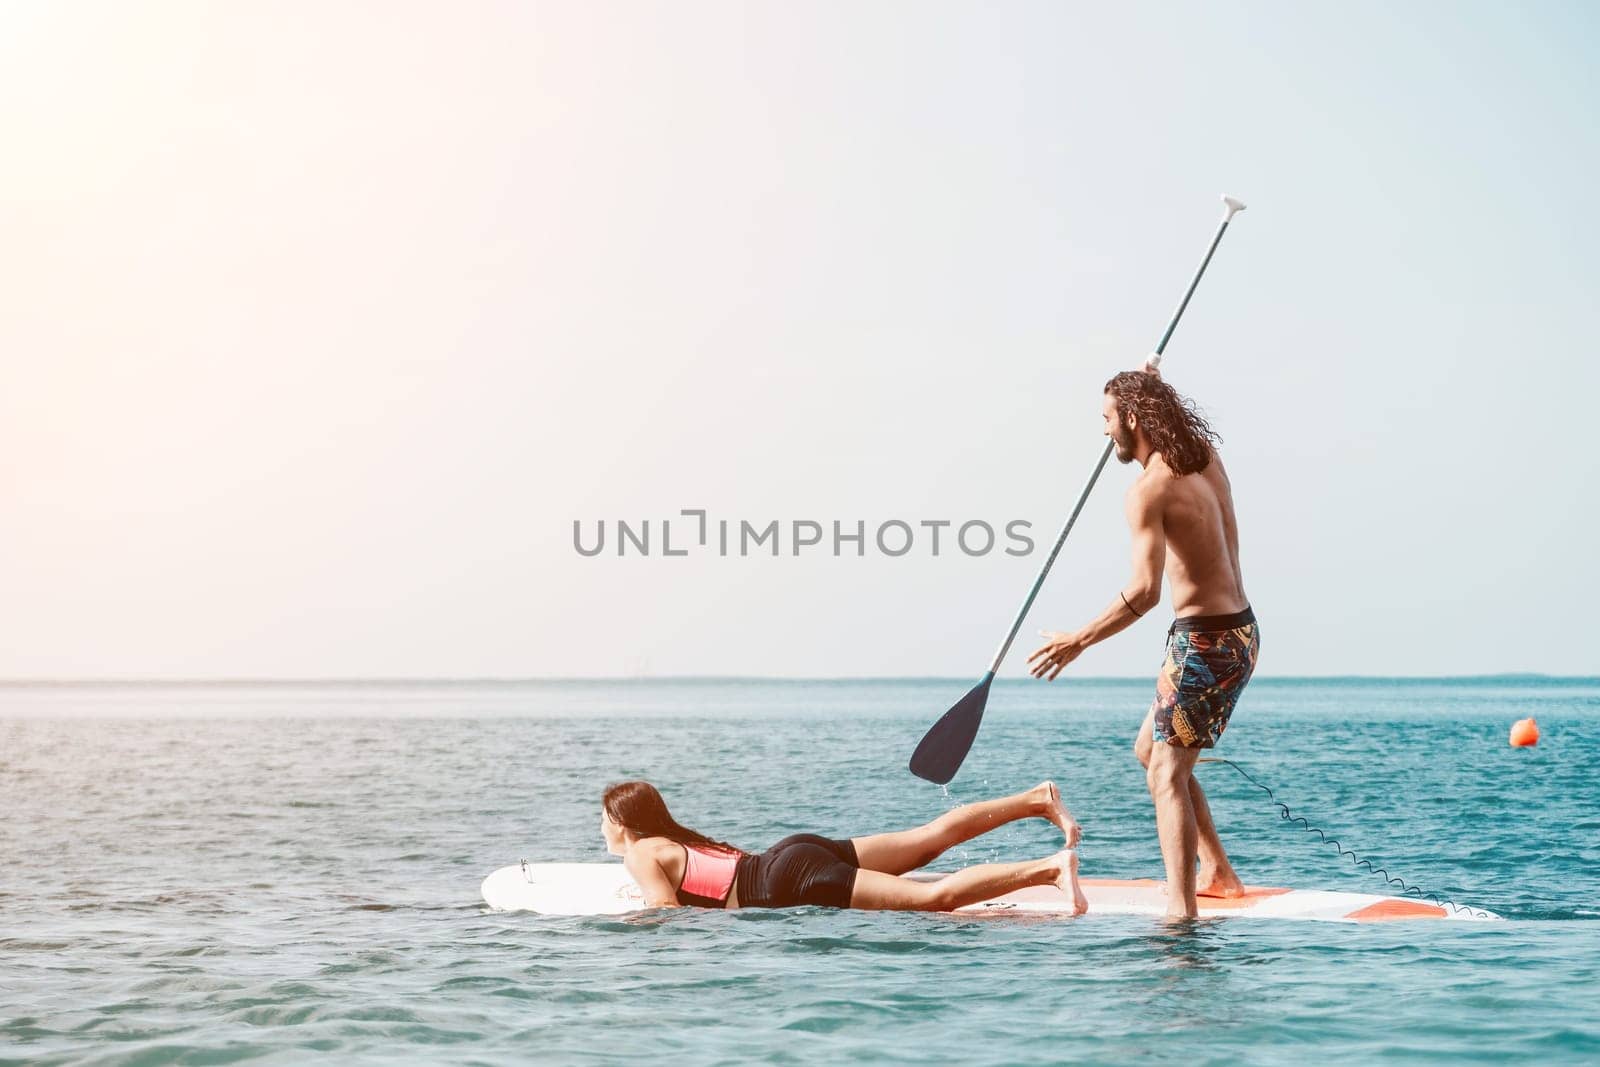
(708, 876)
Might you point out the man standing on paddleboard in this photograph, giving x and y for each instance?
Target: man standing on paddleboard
(1180, 511)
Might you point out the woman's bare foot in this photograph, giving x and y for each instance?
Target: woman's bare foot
(1048, 798)
(1068, 880)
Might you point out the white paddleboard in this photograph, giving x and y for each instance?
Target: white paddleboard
(606, 889)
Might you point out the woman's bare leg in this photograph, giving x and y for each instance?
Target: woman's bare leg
(877, 891)
(906, 850)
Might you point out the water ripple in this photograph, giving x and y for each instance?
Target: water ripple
(182, 889)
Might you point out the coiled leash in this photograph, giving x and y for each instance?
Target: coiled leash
(1405, 887)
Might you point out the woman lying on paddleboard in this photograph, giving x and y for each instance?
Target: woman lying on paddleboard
(677, 867)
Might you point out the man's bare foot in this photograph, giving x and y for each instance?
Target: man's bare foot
(1068, 880)
(1223, 884)
(1176, 912)
(1048, 797)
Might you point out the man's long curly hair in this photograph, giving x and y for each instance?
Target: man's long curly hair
(1173, 425)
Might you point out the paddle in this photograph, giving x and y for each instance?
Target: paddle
(945, 745)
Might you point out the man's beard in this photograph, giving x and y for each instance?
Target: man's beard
(1125, 444)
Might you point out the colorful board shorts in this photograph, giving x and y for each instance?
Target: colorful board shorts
(1209, 660)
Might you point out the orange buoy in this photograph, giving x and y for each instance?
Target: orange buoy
(1524, 733)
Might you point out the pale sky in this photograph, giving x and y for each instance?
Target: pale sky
(322, 323)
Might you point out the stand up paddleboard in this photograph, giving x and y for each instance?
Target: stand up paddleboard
(606, 889)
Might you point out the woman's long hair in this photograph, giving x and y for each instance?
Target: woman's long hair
(1173, 425)
(638, 806)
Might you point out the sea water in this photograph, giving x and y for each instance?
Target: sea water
(213, 873)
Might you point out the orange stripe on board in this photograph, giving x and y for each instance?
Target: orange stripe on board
(1253, 894)
(1394, 908)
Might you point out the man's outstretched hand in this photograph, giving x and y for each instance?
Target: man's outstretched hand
(1052, 656)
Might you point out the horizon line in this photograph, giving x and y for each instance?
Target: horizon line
(492, 680)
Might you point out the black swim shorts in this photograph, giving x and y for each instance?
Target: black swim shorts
(801, 869)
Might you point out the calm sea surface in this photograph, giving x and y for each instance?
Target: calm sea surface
(207, 874)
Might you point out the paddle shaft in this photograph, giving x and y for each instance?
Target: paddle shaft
(1233, 207)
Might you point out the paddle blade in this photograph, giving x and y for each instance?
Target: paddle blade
(939, 754)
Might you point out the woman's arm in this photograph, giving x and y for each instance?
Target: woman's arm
(646, 870)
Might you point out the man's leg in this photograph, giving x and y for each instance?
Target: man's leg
(1217, 877)
(1145, 741)
(1169, 777)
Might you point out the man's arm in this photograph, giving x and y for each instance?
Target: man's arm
(1142, 592)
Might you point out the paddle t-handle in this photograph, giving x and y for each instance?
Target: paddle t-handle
(1231, 206)
(939, 754)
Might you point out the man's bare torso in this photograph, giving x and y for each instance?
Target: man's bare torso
(1202, 537)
